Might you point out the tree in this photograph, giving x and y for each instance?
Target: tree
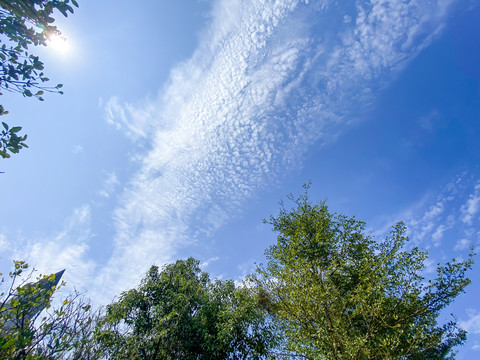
(24, 23)
(31, 329)
(78, 324)
(339, 294)
(177, 313)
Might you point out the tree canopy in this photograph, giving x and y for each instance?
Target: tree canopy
(340, 294)
(23, 24)
(329, 290)
(31, 329)
(178, 313)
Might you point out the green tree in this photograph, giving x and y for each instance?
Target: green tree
(25, 23)
(178, 313)
(339, 294)
(31, 329)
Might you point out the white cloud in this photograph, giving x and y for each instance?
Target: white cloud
(109, 185)
(470, 208)
(244, 269)
(430, 121)
(120, 116)
(347, 19)
(3, 241)
(472, 325)
(438, 218)
(78, 149)
(435, 210)
(427, 222)
(438, 234)
(257, 92)
(207, 262)
(462, 244)
(65, 249)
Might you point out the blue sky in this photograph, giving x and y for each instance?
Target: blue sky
(184, 123)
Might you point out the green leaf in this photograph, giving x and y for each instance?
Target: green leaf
(5, 126)
(38, 65)
(15, 129)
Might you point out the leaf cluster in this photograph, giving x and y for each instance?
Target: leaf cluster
(10, 140)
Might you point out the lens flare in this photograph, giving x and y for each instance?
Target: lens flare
(59, 44)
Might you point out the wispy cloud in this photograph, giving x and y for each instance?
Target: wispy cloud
(3, 241)
(472, 325)
(135, 122)
(462, 244)
(78, 149)
(66, 248)
(442, 216)
(431, 120)
(471, 207)
(208, 261)
(261, 87)
(109, 185)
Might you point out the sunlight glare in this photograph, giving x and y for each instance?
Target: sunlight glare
(59, 44)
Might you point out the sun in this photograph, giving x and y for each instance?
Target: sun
(59, 44)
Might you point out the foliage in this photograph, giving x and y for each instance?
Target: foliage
(23, 24)
(10, 141)
(27, 331)
(328, 291)
(339, 294)
(178, 313)
(81, 322)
